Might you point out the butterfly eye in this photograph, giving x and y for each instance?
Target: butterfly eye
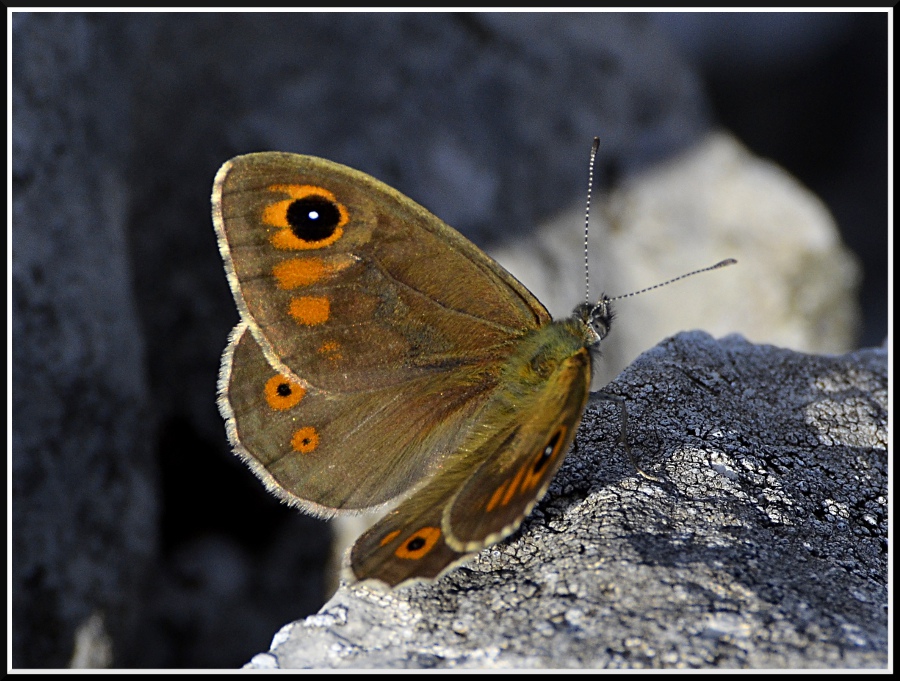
(313, 218)
(601, 317)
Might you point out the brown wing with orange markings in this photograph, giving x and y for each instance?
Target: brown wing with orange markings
(352, 451)
(496, 497)
(407, 545)
(348, 285)
(500, 471)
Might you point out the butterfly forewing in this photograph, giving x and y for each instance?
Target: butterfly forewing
(380, 293)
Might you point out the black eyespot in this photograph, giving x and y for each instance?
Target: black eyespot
(283, 390)
(415, 544)
(547, 454)
(313, 218)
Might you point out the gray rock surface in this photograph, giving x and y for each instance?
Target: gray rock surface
(763, 546)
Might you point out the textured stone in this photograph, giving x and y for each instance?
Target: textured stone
(764, 545)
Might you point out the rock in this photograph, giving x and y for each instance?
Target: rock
(764, 545)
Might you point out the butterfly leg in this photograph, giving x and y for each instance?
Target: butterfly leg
(623, 410)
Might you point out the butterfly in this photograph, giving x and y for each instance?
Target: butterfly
(382, 360)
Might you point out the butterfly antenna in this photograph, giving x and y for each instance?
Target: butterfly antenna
(723, 263)
(587, 218)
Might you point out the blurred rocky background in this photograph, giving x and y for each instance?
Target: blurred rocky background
(138, 539)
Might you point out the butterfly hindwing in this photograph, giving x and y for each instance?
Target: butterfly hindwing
(306, 444)
(408, 544)
(496, 497)
(483, 495)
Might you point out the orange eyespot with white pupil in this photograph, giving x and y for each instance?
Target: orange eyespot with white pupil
(311, 218)
(314, 218)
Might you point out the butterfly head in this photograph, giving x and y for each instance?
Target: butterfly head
(597, 318)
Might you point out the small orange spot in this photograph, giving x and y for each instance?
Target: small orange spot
(283, 393)
(512, 487)
(276, 215)
(331, 350)
(299, 272)
(310, 310)
(495, 499)
(419, 543)
(305, 440)
(389, 537)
